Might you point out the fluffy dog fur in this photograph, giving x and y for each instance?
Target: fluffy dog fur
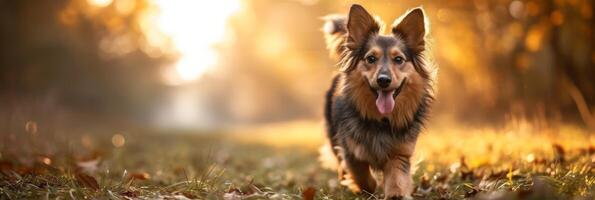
(366, 129)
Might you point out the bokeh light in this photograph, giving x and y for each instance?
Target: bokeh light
(118, 140)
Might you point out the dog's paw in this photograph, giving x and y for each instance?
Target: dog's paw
(397, 197)
(347, 180)
(394, 198)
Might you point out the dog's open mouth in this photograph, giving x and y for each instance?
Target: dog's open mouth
(385, 99)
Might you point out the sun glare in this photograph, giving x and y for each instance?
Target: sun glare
(193, 28)
(100, 3)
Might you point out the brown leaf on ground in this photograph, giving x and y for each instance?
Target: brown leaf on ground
(308, 193)
(139, 176)
(87, 181)
(189, 195)
(130, 193)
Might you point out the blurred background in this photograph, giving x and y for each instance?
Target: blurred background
(175, 64)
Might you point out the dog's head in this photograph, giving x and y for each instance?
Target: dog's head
(388, 63)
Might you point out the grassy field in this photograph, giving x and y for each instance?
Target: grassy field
(279, 161)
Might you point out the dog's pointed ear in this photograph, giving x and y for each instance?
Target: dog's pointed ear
(360, 25)
(412, 28)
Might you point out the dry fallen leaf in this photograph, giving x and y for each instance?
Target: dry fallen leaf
(308, 193)
(87, 181)
(139, 176)
(130, 193)
(189, 195)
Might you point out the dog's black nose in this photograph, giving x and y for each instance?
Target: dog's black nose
(383, 80)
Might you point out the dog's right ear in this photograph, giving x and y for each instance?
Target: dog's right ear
(360, 25)
(412, 28)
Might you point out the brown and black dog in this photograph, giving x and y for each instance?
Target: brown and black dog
(379, 100)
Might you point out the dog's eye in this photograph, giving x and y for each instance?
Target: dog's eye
(399, 60)
(371, 59)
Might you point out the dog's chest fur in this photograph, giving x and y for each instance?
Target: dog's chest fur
(374, 141)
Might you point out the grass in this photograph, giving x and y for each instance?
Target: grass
(279, 161)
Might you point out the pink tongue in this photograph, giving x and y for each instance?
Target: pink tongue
(385, 102)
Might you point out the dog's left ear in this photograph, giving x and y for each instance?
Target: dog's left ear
(360, 25)
(412, 28)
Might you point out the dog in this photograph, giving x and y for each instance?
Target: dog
(379, 100)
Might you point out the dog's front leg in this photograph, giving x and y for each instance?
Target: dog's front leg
(397, 180)
(360, 173)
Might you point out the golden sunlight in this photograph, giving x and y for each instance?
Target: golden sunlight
(100, 3)
(193, 28)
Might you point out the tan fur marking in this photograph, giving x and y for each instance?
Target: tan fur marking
(376, 51)
(395, 51)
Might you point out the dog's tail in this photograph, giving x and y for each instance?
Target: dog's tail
(335, 33)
